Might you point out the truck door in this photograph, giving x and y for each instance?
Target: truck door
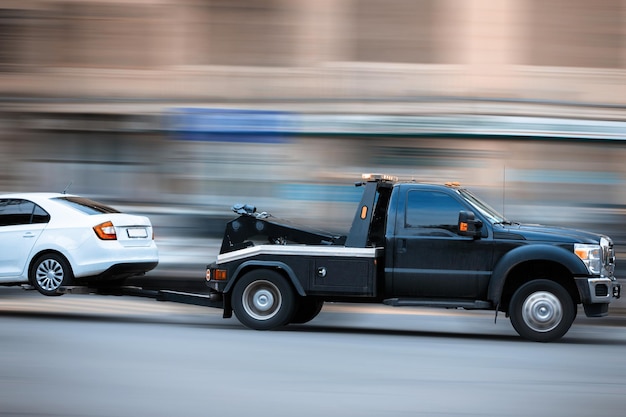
(430, 258)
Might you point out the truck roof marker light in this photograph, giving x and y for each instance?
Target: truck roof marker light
(453, 184)
(378, 177)
(363, 212)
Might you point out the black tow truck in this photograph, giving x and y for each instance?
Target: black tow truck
(416, 245)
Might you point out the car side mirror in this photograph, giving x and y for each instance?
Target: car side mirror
(469, 225)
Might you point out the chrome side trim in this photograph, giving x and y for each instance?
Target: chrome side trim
(299, 250)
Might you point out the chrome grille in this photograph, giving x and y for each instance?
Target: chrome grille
(608, 255)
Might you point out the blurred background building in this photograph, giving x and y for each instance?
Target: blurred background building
(188, 106)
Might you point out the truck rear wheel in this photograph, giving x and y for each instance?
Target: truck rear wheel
(542, 310)
(308, 308)
(263, 300)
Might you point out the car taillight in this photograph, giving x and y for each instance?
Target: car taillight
(105, 231)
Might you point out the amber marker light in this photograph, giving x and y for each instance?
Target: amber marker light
(105, 231)
(220, 275)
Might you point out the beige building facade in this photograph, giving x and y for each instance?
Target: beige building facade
(558, 50)
(87, 88)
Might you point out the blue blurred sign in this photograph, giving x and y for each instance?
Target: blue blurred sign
(234, 125)
(231, 125)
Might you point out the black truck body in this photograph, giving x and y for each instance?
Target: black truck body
(414, 244)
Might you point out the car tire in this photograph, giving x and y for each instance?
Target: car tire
(542, 310)
(49, 272)
(307, 309)
(263, 300)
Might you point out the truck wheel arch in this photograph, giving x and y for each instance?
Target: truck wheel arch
(274, 265)
(526, 256)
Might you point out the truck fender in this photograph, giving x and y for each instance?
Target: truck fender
(541, 252)
(268, 265)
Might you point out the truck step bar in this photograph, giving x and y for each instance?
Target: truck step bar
(425, 302)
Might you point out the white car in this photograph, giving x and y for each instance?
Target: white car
(51, 240)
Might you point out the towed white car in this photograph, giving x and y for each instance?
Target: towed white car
(51, 240)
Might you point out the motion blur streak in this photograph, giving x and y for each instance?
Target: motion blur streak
(179, 108)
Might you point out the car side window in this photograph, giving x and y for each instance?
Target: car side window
(40, 215)
(432, 213)
(15, 211)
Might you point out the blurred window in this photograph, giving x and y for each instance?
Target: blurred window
(11, 28)
(432, 213)
(397, 31)
(102, 35)
(17, 211)
(425, 156)
(249, 32)
(576, 33)
(86, 205)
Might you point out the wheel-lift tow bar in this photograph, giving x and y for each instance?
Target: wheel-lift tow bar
(207, 300)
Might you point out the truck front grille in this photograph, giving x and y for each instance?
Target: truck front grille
(608, 255)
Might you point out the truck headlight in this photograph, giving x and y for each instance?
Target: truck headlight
(591, 255)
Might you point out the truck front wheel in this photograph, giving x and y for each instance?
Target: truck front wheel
(542, 310)
(263, 300)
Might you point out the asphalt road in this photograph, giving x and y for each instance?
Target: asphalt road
(98, 356)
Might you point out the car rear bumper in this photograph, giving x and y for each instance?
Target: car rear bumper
(123, 270)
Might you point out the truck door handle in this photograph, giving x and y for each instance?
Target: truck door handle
(401, 245)
(28, 234)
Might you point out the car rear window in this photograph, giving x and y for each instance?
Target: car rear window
(86, 205)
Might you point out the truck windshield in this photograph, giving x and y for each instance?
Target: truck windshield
(485, 209)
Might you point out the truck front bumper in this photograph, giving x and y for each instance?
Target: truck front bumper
(596, 293)
(598, 289)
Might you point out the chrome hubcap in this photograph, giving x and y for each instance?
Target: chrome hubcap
(542, 311)
(261, 300)
(49, 275)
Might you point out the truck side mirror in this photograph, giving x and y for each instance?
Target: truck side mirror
(468, 225)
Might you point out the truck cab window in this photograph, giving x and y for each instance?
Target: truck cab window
(432, 213)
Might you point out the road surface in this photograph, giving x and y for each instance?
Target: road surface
(99, 356)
